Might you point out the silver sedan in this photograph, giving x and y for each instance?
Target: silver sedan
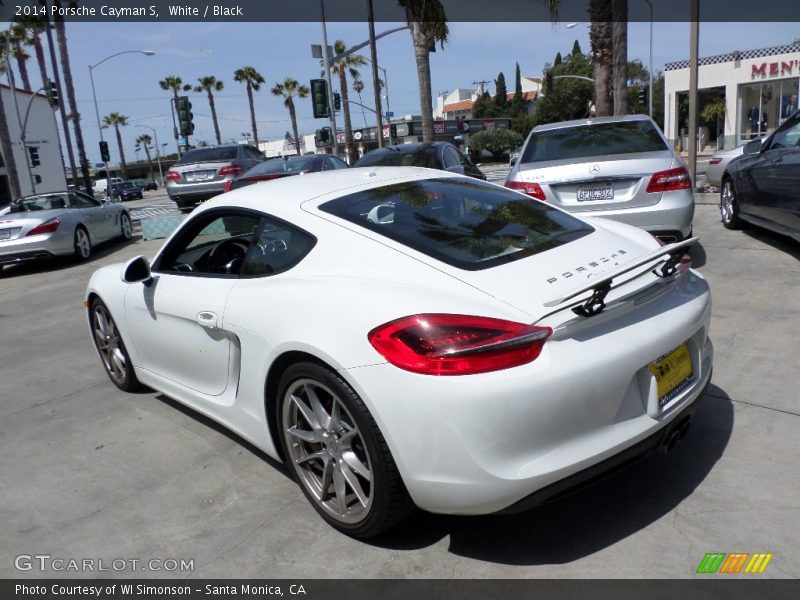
(59, 224)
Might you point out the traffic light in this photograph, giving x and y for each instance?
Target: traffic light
(393, 131)
(324, 135)
(52, 93)
(643, 96)
(548, 80)
(337, 101)
(104, 155)
(33, 152)
(319, 98)
(184, 109)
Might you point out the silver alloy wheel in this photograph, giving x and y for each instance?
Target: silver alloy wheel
(328, 451)
(108, 344)
(726, 203)
(83, 245)
(127, 226)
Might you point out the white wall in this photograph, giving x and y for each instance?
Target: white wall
(42, 133)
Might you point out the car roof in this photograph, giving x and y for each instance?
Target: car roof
(591, 121)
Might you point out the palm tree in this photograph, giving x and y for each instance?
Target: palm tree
(288, 90)
(61, 34)
(35, 26)
(619, 34)
(253, 80)
(342, 68)
(209, 84)
(145, 140)
(116, 121)
(5, 140)
(358, 87)
(428, 25)
(19, 37)
(174, 83)
(600, 37)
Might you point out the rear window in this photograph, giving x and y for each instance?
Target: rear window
(598, 139)
(208, 155)
(400, 157)
(290, 165)
(468, 224)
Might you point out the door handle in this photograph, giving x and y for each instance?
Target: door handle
(207, 319)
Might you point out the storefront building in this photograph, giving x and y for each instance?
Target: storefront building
(743, 95)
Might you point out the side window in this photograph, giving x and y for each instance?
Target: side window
(450, 157)
(79, 201)
(277, 247)
(254, 154)
(214, 244)
(787, 136)
(332, 163)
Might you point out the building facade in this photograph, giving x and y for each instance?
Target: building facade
(758, 88)
(38, 158)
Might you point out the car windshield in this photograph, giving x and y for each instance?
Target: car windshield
(468, 224)
(594, 139)
(208, 155)
(415, 156)
(42, 202)
(127, 184)
(289, 165)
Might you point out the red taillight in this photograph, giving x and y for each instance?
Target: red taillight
(46, 227)
(230, 170)
(667, 181)
(444, 344)
(228, 185)
(173, 175)
(534, 190)
(714, 160)
(265, 177)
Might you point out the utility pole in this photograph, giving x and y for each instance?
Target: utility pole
(693, 44)
(326, 59)
(373, 51)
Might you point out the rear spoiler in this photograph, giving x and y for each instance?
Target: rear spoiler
(601, 286)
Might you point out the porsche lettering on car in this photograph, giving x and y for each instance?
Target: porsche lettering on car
(393, 335)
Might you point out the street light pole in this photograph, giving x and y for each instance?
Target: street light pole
(373, 51)
(386, 83)
(326, 61)
(97, 110)
(650, 95)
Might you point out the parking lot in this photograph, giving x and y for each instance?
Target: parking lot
(91, 472)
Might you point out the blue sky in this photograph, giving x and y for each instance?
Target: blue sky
(129, 84)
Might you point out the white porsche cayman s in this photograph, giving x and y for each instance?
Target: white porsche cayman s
(405, 337)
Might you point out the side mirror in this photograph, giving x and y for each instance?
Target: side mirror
(137, 270)
(753, 147)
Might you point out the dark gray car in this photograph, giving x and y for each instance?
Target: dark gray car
(433, 155)
(202, 173)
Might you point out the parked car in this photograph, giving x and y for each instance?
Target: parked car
(149, 186)
(514, 155)
(100, 187)
(620, 168)
(433, 155)
(762, 187)
(59, 224)
(403, 336)
(719, 162)
(127, 190)
(286, 166)
(202, 173)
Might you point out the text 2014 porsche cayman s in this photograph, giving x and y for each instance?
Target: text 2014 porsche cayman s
(404, 337)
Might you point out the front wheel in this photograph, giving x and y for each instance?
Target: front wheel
(126, 227)
(337, 453)
(111, 348)
(728, 206)
(83, 245)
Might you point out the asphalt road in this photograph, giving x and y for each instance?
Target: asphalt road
(91, 472)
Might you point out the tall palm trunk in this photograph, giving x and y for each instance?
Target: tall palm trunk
(293, 117)
(252, 112)
(149, 163)
(619, 36)
(214, 117)
(122, 163)
(73, 105)
(600, 37)
(8, 154)
(19, 54)
(37, 46)
(348, 127)
(422, 43)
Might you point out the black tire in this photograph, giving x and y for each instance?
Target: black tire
(82, 243)
(729, 206)
(112, 351)
(355, 442)
(125, 226)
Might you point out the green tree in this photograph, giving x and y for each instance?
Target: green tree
(484, 107)
(558, 60)
(500, 93)
(20, 36)
(209, 85)
(289, 89)
(253, 80)
(714, 112)
(116, 121)
(358, 87)
(576, 48)
(5, 141)
(175, 84)
(518, 103)
(342, 68)
(602, 54)
(619, 33)
(144, 141)
(568, 98)
(428, 24)
(496, 141)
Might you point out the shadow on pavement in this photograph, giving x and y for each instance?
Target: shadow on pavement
(776, 240)
(591, 519)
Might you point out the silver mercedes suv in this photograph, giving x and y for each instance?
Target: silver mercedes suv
(202, 173)
(620, 168)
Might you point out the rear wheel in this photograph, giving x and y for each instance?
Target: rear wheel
(728, 206)
(83, 245)
(111, 348)
(126, 227)
(337, 453)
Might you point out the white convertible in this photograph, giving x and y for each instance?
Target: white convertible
(403, 336)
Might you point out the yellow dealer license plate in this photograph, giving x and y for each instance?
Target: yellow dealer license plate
(673, 373)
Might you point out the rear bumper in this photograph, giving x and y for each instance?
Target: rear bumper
(189, 195)
(35, 247)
